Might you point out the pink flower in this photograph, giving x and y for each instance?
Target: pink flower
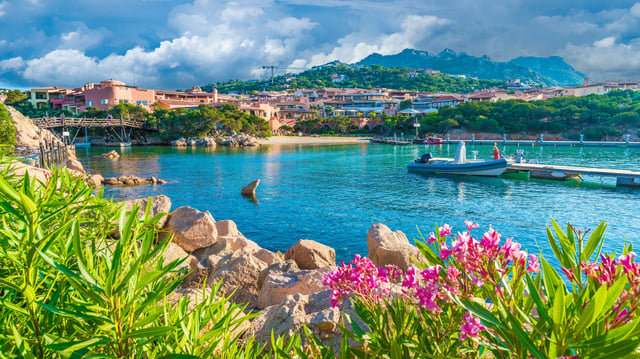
(569, 274)
(470, 225)
(445, 230)
(471, 327)
(432, 238)
(533, 265)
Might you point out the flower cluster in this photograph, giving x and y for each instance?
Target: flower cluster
(607, 272)
(360, 277)
(470, 327)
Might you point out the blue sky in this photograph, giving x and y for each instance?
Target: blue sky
(171, 44)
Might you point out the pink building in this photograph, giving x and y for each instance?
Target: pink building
(110, 93)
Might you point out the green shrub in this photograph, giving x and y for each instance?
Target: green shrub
(69, 289)
(7, 128)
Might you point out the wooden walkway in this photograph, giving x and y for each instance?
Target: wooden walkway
(57, 122)
(624, 178)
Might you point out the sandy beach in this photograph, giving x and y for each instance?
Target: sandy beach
(311, 140)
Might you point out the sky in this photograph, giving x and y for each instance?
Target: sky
(177, 44)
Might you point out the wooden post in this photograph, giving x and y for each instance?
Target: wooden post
(60, 155)
(42, 164)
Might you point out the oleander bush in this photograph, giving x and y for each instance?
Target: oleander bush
(68, 289)
(80, 277)
(488, 298)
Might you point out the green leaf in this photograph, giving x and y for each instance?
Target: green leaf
(150, 332)
(77, 345)
(535, 295)
(558, 310)
(594, 242)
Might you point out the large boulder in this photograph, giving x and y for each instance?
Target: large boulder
(387, 247)
(75, 165)
(159, 204)
(250, 189)
(95, 180)
(191, 228)
(277, 268)
(179, 142)
(239, 275)
(279, 285)
(112, 155)
(295, 311)
(310, 254)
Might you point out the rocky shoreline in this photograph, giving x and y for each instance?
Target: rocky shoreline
(286, 287)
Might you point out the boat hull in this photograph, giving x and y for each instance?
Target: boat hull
(492, 168)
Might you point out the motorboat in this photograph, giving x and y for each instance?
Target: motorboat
(428, 141)
(459, 165)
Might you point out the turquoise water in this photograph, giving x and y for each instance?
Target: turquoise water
(334, 193)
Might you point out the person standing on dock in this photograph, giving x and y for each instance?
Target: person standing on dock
(496, 152)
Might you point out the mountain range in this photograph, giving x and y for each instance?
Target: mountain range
(545, 71)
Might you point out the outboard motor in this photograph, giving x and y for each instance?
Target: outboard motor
(424, 158)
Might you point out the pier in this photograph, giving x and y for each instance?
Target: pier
(623, 178)
(120, 128)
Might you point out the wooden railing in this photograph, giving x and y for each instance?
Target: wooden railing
(52, 153)
(52, 122)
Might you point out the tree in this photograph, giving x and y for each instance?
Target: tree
(404, 104)
(7, 128)
(14, 96)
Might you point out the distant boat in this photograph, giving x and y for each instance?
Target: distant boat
(459, 165)
(117, 144)
(82, 144)
(428, 141)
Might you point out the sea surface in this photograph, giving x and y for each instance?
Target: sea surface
(334, 193)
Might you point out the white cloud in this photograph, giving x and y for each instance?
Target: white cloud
(635, 10)
(3, 12)
(12, 64)
(351, 48)
(81, 38)
(605, 58)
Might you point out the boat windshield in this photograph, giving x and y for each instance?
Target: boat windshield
(461, 154)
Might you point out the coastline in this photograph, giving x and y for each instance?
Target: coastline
(311, 140)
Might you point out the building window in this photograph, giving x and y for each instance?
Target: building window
(89, 103)
(123, 101)
(104, 101)
(142, 102)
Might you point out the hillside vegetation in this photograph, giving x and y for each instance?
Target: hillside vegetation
(367, 77)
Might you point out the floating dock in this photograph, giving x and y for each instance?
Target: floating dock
(546, 143)
(623, 178)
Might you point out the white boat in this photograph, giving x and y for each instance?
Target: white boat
(459, 165)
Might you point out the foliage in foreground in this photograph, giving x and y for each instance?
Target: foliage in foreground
(7, 128)
(69, 289)
(483, 298)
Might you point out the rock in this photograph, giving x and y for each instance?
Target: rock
(267, 256)
(191, 142)
(28, 135)
(279, 267)
(159, 204)
(174, 252)
(294, 311)
(250, 189)
(310, 254)
(213, 255)
(95, 180)
(153, 180)
(239, 274)
(75, 165)
(241, 243)
(227, 229)
(179, 142)
(112, 155)
(111, 181)
(160, 181)
(19, 169)
(277, 286)
(192, 229)
(385, 247)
